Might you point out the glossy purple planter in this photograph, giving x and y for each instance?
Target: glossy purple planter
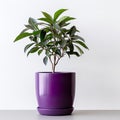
(55, 92)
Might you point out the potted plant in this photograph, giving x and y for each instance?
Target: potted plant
(55, 38)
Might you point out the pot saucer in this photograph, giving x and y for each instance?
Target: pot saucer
(55, 112)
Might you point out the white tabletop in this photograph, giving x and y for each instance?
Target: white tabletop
(77, 115)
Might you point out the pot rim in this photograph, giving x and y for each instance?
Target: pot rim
(55, 72)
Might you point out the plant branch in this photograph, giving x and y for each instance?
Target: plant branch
(60, 57)
(51, 63)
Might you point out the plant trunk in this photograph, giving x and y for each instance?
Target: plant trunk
(53, 68)
(54, 64)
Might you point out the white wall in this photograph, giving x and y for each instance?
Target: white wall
(98, 77)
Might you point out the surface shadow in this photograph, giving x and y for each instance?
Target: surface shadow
(95, 112)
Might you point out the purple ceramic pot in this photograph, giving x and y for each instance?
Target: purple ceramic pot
(55, 92)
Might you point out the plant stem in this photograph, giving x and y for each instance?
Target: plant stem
(53, 68)
(54, 63)
(60, 57)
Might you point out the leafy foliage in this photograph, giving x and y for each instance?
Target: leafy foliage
(53, 36)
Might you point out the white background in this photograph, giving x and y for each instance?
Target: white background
(98, 70)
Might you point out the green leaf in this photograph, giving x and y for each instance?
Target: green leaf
(48, 16)
(58, 13)
(76, 37)
(45, 60)
(63, 24)
(63, 43)
(39, 52)
(45, 20)
(29, 27)
(33, 23)
(65, 19)
(42, 35)
(28, 46)
(47, 52)
(73, 53)
(68, 53)
(72, 30)
(42, 23)
(31, 38)
(71, 47)
(56, 26)
(24, 30)
(81, 43)
(64, 30)
(49, 36)
(26, 34)
(50, 44)
(47, 29)
(22, 35)
(33, 50)
(35, 39)
(79, 49)
(58, 52)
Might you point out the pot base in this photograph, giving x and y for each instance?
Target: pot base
(55, 112)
